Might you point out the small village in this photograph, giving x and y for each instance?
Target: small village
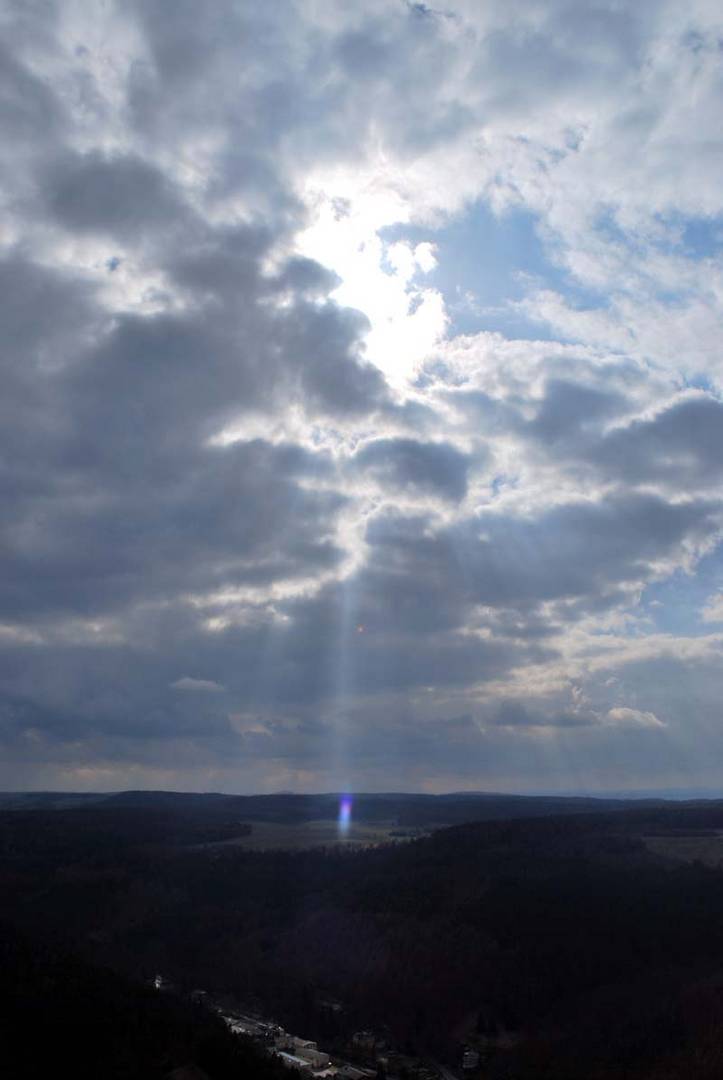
(371, 1057)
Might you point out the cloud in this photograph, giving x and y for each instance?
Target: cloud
(682, 444)
(120, 195)
(242, 436)
(407, 465)
(712, 612)
(633, 718)
(514, 714)
(207, 686)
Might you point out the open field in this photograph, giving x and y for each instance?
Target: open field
(700, 847)
(268, 835)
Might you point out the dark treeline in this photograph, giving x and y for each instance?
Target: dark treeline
(596, 957)
(406, 809)
(61, 1015)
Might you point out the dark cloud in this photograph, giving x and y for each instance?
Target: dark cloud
(219, 520)
(120, 194)
(586, 427)
(45, 313)
(569, 409)
(515, 714)
(681, 445)
(31, 112)
(406, 464)
(579, 550)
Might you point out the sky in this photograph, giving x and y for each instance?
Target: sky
(360, 416)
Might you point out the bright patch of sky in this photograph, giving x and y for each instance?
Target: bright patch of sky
(697, 238)
(685, 602)
(418, 284)
(386, 281)
(485, 263)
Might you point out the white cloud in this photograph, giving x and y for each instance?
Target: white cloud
(712, 612)
(207, 686)
(636, 718)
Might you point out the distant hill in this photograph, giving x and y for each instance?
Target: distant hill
(403, 808)
(47, 800)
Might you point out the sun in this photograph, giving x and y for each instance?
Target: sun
(384, 280)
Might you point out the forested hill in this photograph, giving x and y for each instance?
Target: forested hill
(567, 946)
(60, 1014)
(403, 808)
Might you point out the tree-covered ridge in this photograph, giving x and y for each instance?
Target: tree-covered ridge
(566, 934)
(60, 1014)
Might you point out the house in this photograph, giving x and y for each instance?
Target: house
(318, 1059)
(470, 1059)
(295, 1062)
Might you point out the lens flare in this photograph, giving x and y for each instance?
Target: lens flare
(345, 804)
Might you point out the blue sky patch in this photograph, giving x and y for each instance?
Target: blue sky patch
(485, 264)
